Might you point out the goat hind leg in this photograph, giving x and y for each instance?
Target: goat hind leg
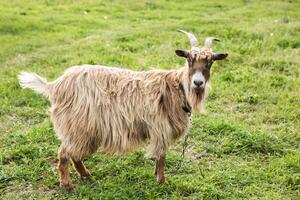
(63, 169)
(81, 169)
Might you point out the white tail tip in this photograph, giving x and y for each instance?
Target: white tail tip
(34, 82)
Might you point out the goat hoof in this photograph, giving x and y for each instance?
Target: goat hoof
(167, 183)
(163, 182)
(86, 179)
(66, 187)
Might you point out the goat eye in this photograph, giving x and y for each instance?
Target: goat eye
(209, 64)
(190, 61)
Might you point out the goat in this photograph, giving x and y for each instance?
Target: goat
(117, 110)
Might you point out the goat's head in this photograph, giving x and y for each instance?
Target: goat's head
(199, 61)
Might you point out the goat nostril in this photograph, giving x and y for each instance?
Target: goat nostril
(198, 83)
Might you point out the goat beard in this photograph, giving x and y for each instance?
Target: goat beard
(196, 99)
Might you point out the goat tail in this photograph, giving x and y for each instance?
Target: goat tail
(34, 82)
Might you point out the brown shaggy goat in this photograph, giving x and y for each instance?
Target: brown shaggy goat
(117, 110)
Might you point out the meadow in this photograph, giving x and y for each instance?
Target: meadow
(246, 145)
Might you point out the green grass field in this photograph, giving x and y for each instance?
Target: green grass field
(247, 145)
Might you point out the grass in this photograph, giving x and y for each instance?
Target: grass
(247, 146)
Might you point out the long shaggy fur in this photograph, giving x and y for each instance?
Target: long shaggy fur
(116, 110)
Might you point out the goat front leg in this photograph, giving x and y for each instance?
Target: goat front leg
(160, 169)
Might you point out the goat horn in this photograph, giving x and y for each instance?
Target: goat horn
(209, 41)
(192, 38)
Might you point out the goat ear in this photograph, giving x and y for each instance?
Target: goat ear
(182, 53)
(219, 56)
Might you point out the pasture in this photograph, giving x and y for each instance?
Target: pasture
(246, 145)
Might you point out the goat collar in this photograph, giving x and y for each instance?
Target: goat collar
(186, 106)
